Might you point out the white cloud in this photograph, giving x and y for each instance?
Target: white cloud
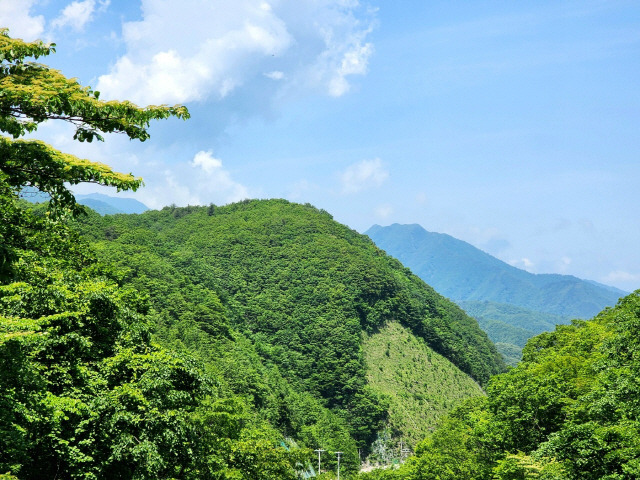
(75, 15)
(186, 50)
(15, 14)
(217, 183)
(620, 276)
(523, 263)
(354, 62)
(201, 180)
(384, 211)
(275, 75)
(206, 162)
(363, 175)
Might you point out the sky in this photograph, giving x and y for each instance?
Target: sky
(514, 126)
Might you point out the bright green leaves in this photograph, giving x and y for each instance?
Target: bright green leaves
(525, 467)
(448, 454)
(14, 50)
(233, 445)
(36, 164)
(141, 417)
(568, 411)
(31, 93)
(85, 395)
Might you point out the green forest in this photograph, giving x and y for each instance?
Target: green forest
(234, 342)
(569, 410)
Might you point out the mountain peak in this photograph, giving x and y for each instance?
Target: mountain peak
(463, 272)
(108, 205)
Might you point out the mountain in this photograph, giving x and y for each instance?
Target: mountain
(569, 410)
(460, 271)
(489, 288)
(108, 205)
(509, 326)
(100, 203)
(315, 304)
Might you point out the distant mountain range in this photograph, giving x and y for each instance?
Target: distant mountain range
(107, 205)
(510, 304)
(102, 204)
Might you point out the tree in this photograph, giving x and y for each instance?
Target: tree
(61, 322)
(84, 393)
(31, 93)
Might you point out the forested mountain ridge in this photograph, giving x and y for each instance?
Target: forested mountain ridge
(300, 286)
(133, 367)
(568, 411)
(510, 304)
(462, 272)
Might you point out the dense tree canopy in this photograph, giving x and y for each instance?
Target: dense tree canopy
(304, 290)
(568, 411)
(84, 392)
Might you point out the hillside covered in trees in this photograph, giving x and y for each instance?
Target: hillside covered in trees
(227, 343)
(511, 305)
(193, 343)
(304, 291)
(84, 391)
(568, 411)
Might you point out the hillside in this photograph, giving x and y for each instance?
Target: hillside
(460, 271)
(420, 383)
(490, 288)
(568, 411)
(303, 289)
(509, 326)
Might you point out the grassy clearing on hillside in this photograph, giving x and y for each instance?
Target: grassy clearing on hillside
(395, 358)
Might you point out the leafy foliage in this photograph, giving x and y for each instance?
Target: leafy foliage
(84, 393)
(569, 410)
(33, 93)
(301, 287)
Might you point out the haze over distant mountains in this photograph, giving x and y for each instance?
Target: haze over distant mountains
(100, 203)
(108, 205)
(510, 304)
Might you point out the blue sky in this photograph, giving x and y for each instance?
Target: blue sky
(514, 126)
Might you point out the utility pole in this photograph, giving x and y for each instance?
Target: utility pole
(338, 453)
(404, 451)
(319, 451)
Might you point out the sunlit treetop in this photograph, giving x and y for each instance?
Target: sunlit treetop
(31, 93)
